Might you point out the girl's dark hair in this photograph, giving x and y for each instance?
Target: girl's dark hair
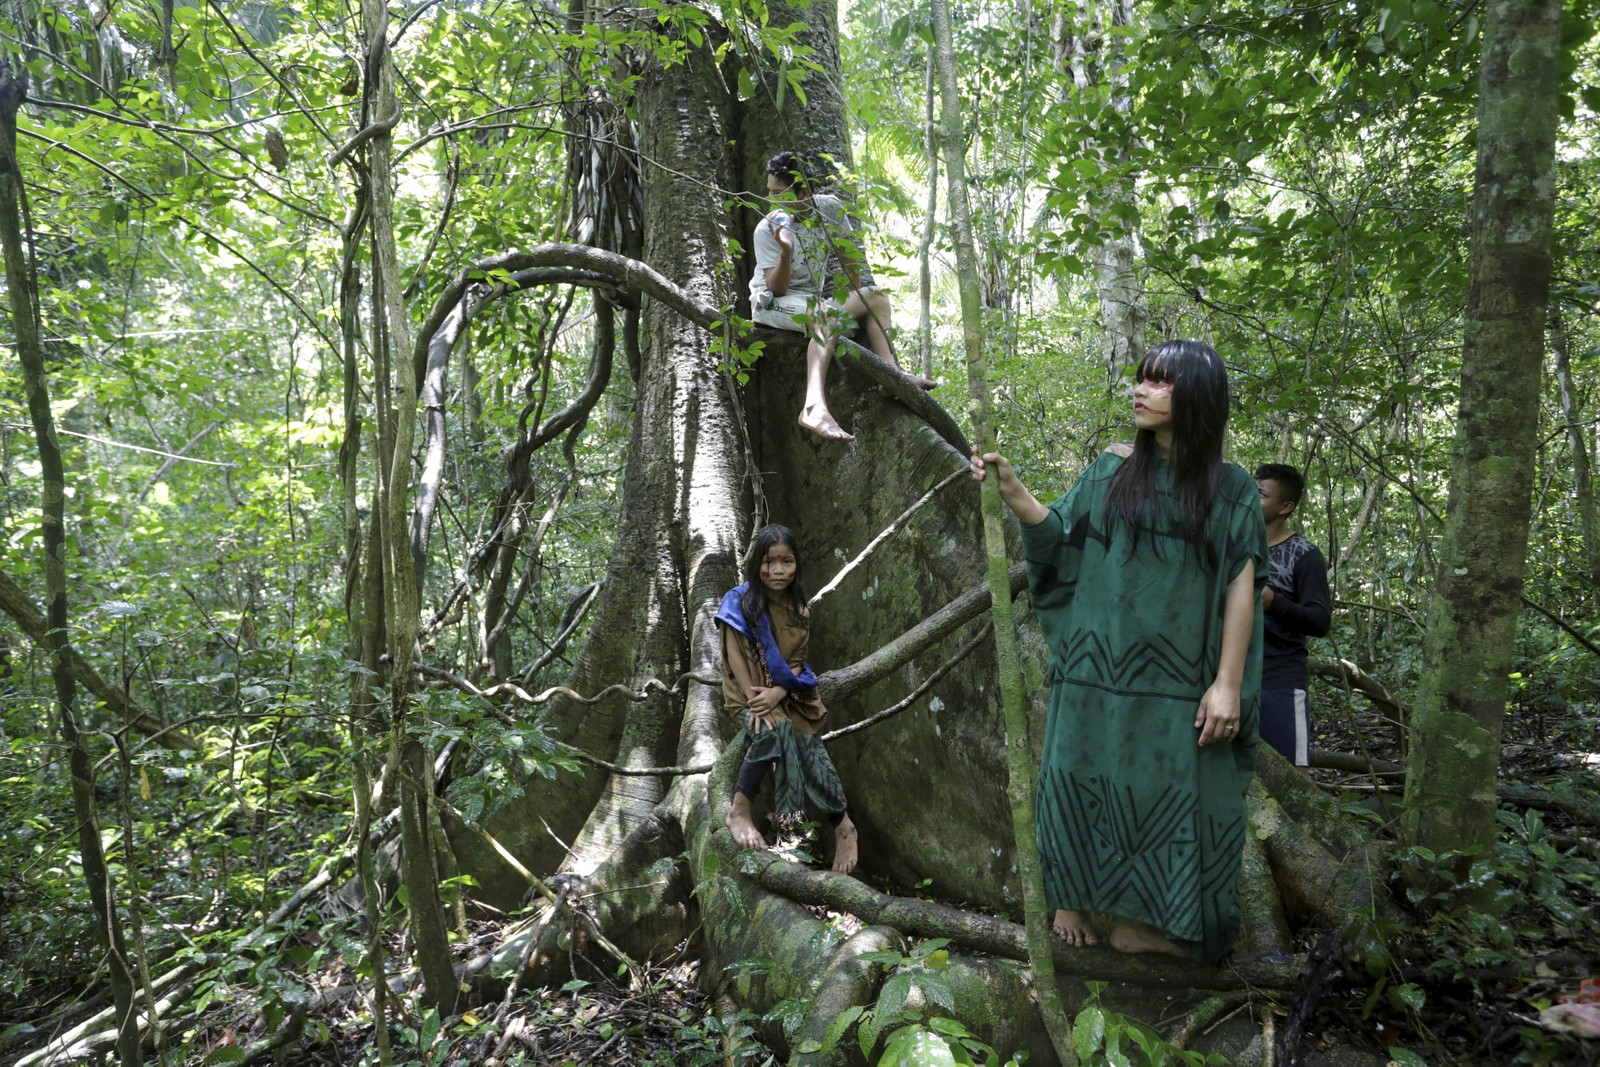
(754, 601)
(1199, 417)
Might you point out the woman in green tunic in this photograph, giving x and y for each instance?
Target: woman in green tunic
(1145, 578)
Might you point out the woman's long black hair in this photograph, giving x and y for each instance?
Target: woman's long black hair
(754, 600)
(1199, 417)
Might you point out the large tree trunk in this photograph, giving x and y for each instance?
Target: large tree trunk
(705, 460)
(1450, 791)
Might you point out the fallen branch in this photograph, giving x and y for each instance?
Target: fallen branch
(1350, 676)
(1395, 774)
(84, 1041)
(888, 532)
(997, 937)
(1353, 764)
(1208, 1014)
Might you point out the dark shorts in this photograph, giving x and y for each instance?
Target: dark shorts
(1285, 724)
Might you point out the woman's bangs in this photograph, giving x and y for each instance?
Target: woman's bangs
(1154, 367)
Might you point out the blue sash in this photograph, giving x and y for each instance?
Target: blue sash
(761, 636)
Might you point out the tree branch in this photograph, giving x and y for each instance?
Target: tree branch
(888, 531)
(17, 604)
(843, 683)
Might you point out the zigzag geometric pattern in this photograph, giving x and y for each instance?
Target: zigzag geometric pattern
(1138, 670)
(1147, 853)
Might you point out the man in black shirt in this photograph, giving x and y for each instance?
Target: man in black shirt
(1297, 606)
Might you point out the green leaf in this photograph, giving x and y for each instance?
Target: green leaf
(837, 1028)
(936, 990)
(893, 995)
(1089, 1031)
(1411, 995)
(913, 1046)
(1405, 1057)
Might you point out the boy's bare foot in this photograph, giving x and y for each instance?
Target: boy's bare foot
(1073, 928)
(845, 851)
(823, 424)
(742, 825)
(1130, 935)
(922, 383)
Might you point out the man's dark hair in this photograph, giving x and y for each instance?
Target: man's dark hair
(793, 168)
(1291, 483)
(805, 171)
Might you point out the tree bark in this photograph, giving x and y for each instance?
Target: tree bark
(1450, 791)
(1578, 449)
(403, 558)
(25, 326)
(925, 243)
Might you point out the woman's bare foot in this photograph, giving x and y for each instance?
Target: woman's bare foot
(1073, 928)
(845, 851)
(1130, 935)
(742, 825)
(822, 423)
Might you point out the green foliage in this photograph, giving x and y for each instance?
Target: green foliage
(1301, 174)
(904, 1018)
(1100, 1035)
(1482, 923)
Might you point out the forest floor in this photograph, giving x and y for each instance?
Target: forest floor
(1462, 984)
(1466, 984)
(1463, 987)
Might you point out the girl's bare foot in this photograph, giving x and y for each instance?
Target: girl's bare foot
(823, 424)
(1130, 935)
(845, 850)
(742, 826)
(1073, 928)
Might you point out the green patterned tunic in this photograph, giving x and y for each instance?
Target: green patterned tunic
(1134, 818)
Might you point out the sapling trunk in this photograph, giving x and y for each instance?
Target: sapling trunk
(1020, 786)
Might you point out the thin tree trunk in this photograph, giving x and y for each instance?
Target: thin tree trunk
(1092, 57)
(402, 562)
(925, 246)
(1020, 785)
(25, 328)
(1450, 790)
(1572, 416)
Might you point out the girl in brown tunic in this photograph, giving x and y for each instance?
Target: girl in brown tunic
(765, 629)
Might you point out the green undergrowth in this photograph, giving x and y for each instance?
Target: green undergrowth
(1490, 940)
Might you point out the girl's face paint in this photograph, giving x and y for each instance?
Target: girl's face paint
(778, 568)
